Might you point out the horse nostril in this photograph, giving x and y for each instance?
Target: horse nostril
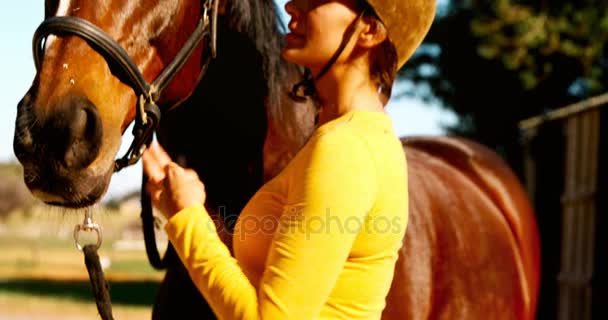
(72, 133)
(79, 124)
(69, 136)
(84, 133)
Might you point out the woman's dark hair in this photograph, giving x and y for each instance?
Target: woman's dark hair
(383, 59)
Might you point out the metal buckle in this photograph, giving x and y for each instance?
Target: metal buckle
(87, 226)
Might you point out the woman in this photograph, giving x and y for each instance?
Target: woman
(321, 239)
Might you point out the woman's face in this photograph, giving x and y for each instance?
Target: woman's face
(316, 30)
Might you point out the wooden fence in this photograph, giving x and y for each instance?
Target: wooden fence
(565, 175)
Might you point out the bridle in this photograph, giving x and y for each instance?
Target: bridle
(148, 114)
(147, 118)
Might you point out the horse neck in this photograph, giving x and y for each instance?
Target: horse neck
(238, 129)
(219, 131)
(290, 124)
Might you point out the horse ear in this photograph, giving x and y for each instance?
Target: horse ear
(50, 8)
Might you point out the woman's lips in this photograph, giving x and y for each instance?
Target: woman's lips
(291, 37)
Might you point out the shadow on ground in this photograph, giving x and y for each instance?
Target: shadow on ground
(137, 293)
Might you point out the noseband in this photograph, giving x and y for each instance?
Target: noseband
(148, 114)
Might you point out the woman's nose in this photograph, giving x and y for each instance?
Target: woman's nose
(290, 8)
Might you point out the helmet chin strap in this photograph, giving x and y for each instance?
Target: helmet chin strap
(306, 88)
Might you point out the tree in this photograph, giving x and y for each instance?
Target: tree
(497, 63)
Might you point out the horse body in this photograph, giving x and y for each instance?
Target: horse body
(471, 247)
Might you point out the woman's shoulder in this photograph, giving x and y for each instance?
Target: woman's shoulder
(360, 136)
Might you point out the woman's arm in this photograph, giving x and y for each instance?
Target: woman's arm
(331, 198)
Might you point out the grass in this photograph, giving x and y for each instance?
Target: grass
(131, 293)
(43, 276)
(26, 306)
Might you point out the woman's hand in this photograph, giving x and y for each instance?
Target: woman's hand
(171, 187)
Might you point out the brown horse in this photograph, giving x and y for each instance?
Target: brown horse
(471, 250)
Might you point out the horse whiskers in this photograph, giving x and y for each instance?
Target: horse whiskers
(30, 176)
(24, 126)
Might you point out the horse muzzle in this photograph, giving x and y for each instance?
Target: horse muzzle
(56, 147)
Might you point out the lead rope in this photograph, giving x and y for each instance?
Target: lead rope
(100, 286)
(148, 225)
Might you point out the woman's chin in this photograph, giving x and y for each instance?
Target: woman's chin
(295, 56)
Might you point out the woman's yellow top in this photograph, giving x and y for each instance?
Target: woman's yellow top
(319, 241)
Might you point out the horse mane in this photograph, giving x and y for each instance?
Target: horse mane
(242, 108)
(258, 19)
(50, 7)
(290, 123)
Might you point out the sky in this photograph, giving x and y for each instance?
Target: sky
(18, 21)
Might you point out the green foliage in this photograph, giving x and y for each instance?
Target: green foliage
(525, 38)
(497, 63)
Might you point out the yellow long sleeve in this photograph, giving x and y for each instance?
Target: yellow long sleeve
(324, 256)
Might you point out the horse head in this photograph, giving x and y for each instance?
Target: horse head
(70, 123)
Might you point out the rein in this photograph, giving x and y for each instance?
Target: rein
(147, 119)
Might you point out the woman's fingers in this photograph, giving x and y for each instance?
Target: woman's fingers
(176, 172)
(183, 187)
(155, 159)
(152, 167)
(161, 156)
(172, 188)
(154, 190)
(179, 177)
